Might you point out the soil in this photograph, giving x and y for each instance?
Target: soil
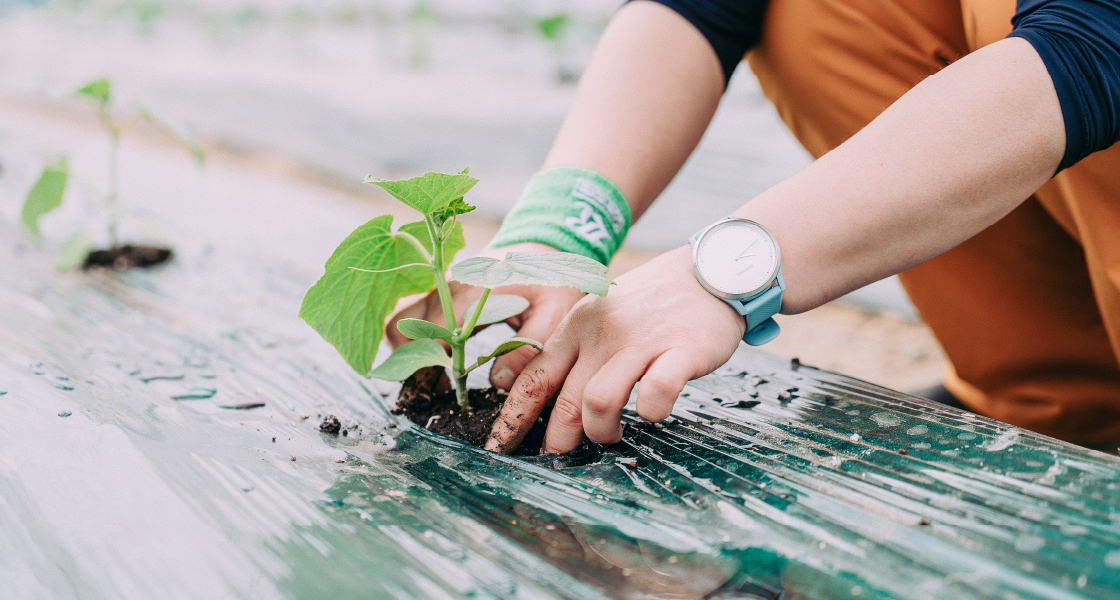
(330, 425)
(428, 400)
(126, 257)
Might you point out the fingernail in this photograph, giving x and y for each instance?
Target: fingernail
(503, 378)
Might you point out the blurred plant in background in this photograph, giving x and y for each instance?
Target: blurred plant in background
(47, 193)
(408, 33)
(554, 29)
(422, 23)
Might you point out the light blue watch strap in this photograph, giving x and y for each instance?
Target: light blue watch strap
(759, 312)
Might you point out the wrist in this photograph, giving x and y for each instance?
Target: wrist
(496, 251)
(570, 209)
(739, 262)
(682, 261)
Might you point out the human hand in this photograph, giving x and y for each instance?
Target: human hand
(657, 325)
(547, 307)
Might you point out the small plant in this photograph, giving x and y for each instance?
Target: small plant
(554, 29)
(422, 21)
(375, 267)
(47, 193)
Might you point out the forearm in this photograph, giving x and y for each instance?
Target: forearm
(948, 159)
(643, 103)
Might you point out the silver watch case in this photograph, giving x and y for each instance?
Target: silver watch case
(725, 295)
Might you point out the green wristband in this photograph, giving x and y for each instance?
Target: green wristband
(571, 209)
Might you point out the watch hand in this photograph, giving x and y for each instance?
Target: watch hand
(744, 254)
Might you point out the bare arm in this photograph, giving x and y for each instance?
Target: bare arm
(949, 158)
(643, 103)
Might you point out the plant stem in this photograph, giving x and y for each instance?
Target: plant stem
(111, 203)
(439, 270)
(458, 352)
(459, 371)
(468, 327)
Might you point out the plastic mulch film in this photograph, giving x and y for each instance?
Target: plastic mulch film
(159, 438)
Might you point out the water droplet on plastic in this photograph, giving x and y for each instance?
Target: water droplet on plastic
(885, 419)
(64, 413)
(163, 376)
(198, 393)
(917, 430)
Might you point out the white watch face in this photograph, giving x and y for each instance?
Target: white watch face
(736, 259)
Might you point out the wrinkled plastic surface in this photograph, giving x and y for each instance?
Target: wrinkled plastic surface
(127, 470)
(149, 421)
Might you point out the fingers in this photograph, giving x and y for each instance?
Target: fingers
(603, 398)
(565, 425)
(662, 384)
(538, 323)
(536, 385)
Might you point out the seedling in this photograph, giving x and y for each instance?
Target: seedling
(375, 267)
(554, 29)
(47, 193)
(422, 21)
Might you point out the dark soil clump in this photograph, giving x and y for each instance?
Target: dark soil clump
(330, 425)
(429, 402)
(127, 257)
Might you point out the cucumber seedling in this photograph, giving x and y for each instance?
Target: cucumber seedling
(47, 193)
(374, 267)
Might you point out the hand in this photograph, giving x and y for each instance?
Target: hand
(657, 325)
(547, 307)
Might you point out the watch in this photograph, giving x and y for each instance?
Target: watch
(738, 261)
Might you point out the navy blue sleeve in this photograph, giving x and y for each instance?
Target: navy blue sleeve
(731, 26)
(1079, 42)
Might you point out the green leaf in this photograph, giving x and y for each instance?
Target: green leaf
(172, 131)
(410, 358)
(504, 348)
(498, 307)
(429, 193)
(45, 196)
(99, 91)
(454, 209)
(418, 329)
(349, 308)
(560, 269)
(72, 255)
(553, 26)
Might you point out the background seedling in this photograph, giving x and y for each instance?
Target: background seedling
(554, 29)
(375, 267)
(99, 93)
(46, 195)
